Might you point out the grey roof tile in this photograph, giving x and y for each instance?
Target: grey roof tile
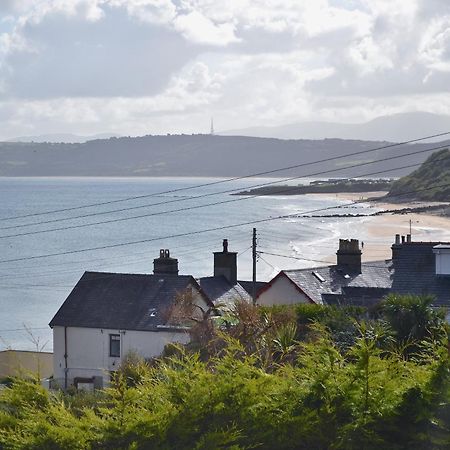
(220, 291)
(121, 301)
(248, 286)
(415, 272)
(320, 283)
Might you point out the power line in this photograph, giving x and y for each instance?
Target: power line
(258, 174)
(107, 275)
(83, 216)
(243, 198)
(315, 260)
(120, 257)
(24, 329)
(276, 240)
(265, 261)
(53, 273)
(192, 233)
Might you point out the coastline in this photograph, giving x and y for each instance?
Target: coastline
(379, 231)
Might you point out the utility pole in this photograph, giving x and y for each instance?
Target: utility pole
(254, 265)
(410, 226)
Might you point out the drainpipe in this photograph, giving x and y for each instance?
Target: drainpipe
(65, 358)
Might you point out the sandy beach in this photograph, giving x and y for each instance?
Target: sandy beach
(380, 230)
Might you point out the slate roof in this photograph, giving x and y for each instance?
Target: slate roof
(415, 272)
(248, 286)
(330, 283)
(220, 291)
(121, 301)
(359, 296)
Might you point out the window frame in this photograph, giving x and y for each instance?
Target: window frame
(114, 338)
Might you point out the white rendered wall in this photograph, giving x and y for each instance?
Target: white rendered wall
(442, 261)
(88, 349)
(282, 292)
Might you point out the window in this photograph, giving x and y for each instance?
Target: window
(319, 277)
(114, 345)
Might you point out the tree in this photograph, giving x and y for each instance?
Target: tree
(414, 321)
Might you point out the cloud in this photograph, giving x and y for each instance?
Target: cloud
(435, 45)
(159, 12)
(133, 66)
(197, 28)
(71, 56)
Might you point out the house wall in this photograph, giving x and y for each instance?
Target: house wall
(88, 350)
(442, 262)
(19, 363)
(281, 292)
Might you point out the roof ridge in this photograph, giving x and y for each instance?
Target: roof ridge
(159, 275)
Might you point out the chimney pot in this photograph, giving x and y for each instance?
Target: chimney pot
(396, 248)
(408, 238)
(225, 245)
(165, 264)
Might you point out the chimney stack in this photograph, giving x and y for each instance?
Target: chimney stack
(349, 256)
(165, 264)
(397, 246)
(225, 263)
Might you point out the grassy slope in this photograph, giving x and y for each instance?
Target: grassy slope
(427, 181)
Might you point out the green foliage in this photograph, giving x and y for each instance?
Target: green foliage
(339, 321)
(133, 368)
(415, 324)
(430, 182)
(260, 387)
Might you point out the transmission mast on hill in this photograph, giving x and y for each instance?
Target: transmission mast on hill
(212, 127)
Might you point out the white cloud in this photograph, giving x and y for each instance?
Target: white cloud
(161, 12)
(369, 57)
(435, 46)
(126, 65)
(197, 28)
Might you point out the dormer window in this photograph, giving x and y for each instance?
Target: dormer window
(442, 258)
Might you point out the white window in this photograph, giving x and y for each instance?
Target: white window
(114, 345)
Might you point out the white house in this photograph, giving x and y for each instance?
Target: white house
(108, 315)
(349, 281)
(417, 268)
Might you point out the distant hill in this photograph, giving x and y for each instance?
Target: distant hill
(435, 171)
(67, 138)
(199, 155)
(394, 128)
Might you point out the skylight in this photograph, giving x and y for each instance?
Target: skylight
(319, 277)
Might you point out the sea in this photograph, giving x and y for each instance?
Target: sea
(50, 233)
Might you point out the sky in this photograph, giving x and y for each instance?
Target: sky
(136, 67)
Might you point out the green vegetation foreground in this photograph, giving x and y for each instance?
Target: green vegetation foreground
(263, 378)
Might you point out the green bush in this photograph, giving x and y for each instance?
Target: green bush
(261, 386)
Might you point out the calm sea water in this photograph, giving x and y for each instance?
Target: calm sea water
(32, 290)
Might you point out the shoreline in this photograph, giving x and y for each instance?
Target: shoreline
(379, 231)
